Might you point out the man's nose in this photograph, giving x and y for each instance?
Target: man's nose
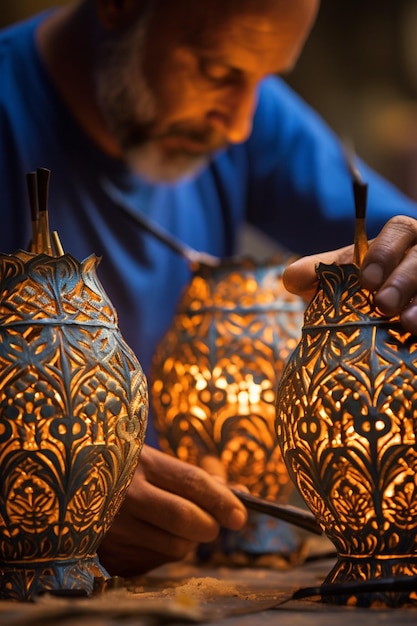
(233, 116)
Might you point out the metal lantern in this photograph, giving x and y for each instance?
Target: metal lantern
(73, 407)
(214, 373)
(73, 410)
(346, 421)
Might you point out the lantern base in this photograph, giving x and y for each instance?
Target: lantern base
(360, 569)
(71, 577)
(263, 538)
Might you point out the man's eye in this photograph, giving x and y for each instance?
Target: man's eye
(216, 71)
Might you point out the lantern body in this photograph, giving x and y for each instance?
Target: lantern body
(214, 373)
(73, 410)
(346, 421)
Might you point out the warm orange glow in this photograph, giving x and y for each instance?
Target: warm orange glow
(349, 438)
(73, 409)
(215, 372)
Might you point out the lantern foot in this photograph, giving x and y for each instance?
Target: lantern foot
(264, 540)
(382, 579)
(71, 577)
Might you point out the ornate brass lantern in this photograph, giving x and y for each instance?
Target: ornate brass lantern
(214, 373)
(346, 421)
(73, 409)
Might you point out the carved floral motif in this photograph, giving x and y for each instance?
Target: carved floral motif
(73, 410)
(346, 421)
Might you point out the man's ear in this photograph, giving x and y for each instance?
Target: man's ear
(115, 13)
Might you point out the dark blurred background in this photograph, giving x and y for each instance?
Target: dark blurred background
(358, 69)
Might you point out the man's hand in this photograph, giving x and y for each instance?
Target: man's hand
(389, 269)
(170, 508)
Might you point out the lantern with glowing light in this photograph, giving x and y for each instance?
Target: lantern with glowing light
(73, 410)
(214, 374)
(346, 421)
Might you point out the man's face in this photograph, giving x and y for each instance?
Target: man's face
(181, 85)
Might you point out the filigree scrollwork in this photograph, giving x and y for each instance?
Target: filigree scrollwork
(73, 410)
(346, 422)
(215, 372)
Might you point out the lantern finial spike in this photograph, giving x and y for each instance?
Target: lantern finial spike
(43, 176)
(32, 186)
(360, 194)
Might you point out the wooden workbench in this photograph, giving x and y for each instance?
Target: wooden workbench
(221, 595)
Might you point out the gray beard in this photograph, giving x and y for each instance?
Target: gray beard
(129, 108)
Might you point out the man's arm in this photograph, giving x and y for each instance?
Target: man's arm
(300, 187)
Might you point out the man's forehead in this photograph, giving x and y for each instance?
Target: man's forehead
(274, 29)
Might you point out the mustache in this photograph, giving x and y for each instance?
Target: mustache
(146, 133)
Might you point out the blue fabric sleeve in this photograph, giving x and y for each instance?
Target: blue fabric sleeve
(300, 191)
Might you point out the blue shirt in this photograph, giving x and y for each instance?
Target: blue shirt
(289, 179)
